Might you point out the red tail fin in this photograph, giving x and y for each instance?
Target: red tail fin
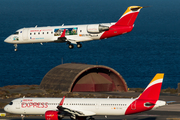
(129, 17)
(152, 91)
(124, 24)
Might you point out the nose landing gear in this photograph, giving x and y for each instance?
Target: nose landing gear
(15, 45)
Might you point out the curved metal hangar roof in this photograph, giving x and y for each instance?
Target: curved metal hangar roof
(74, 77)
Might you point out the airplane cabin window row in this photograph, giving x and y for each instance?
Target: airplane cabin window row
(79, 104)
(41, 33)
(76, 104)
(113, 104)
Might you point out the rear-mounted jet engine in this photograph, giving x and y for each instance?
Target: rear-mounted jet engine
(96, 28)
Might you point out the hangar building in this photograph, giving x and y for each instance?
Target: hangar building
(73, 77)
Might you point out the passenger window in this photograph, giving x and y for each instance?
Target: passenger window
(47, 32)
(34, 33)
(39, 33)
(43, 33)
(51, 32)
(30, 33)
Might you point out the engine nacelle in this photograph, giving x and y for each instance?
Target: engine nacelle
(96, 28)
(51, 115)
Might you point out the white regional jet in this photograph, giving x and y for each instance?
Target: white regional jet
(81, 108)
(75, 34)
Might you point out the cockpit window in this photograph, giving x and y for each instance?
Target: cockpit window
(11, 103)
(16, 33)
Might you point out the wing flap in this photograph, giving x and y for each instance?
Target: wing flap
(79, 112)
(73, 111)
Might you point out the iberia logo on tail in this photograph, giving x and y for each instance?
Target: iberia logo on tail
(129, 16)
(152, 91)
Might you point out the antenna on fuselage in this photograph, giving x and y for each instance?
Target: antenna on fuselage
(63, 24)
(36, 26)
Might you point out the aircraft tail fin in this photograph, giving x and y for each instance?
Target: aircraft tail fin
(149, 99)
(152, 91)
(129, 16)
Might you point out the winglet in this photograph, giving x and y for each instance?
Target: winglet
(152, 91)
(59, 107)
(62, 101)
(63, 34)
(62, 38)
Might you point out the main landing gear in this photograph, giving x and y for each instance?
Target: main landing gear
(79, 45)
(15, 45)
(91, 118)
(71, 46)
(22, 116)
(80, 118)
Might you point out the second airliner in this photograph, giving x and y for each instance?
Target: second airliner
(75, 34)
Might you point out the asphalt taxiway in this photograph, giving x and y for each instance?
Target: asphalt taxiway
(150, 115)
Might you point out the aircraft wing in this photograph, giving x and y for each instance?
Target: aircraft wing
(75, 40)
(73, 112)
(72, 41)
(77, 112)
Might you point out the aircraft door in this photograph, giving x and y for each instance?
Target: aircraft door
(25, 34)
(17, 105)
(97, 105)
(20, 34)
(133, 106)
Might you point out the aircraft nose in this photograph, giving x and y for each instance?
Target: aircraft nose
(5, 40)
(6, 108)
(8, 40)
